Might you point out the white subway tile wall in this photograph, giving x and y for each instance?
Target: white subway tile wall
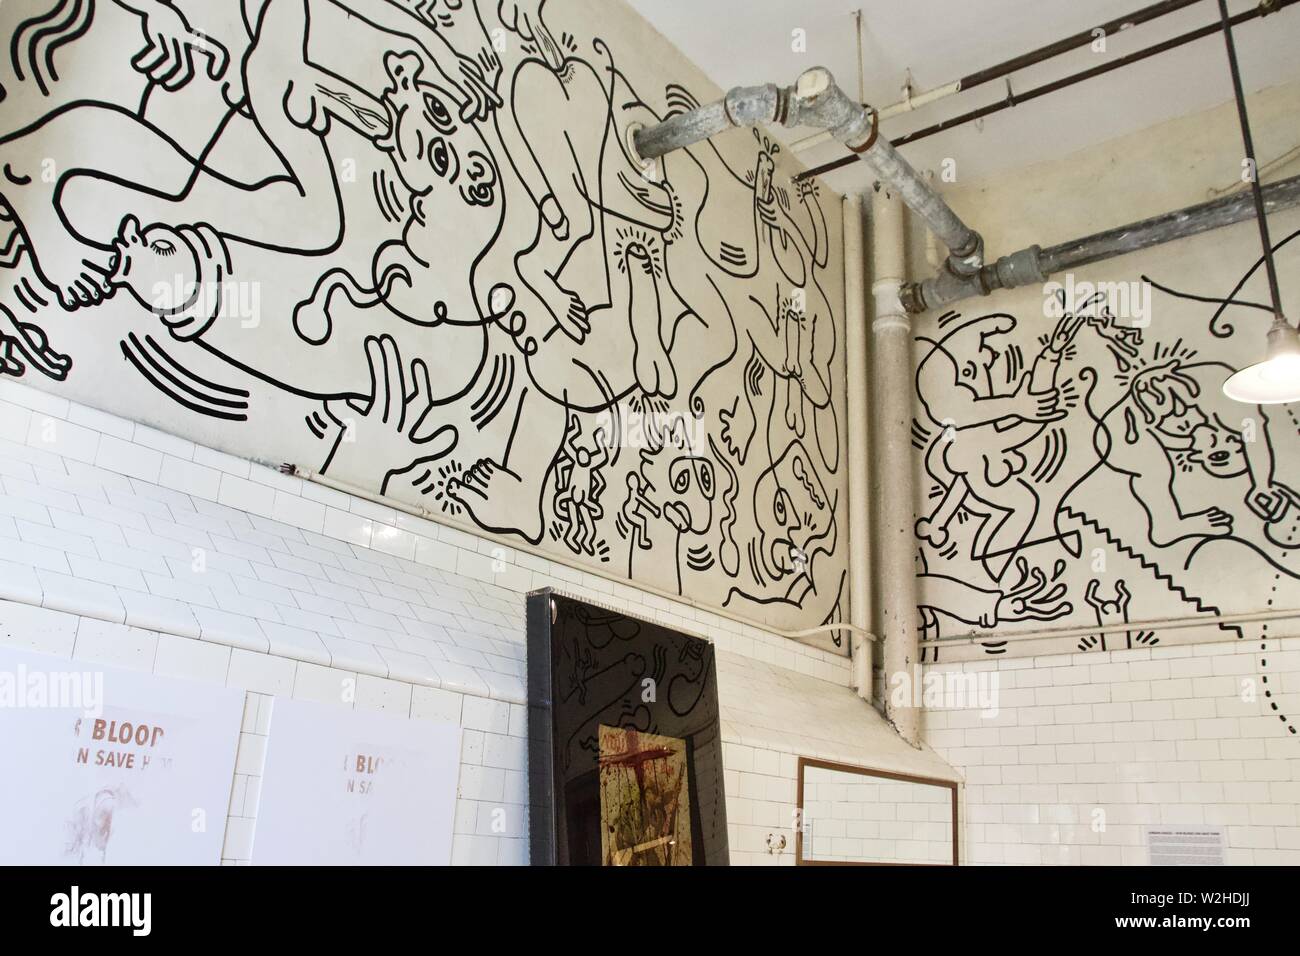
(132, 548)
(771, 716)
(855, 818)
(1087, 750)
(129, 547)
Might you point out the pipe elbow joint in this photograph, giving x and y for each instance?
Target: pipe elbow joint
(752, 105)
(816, 100)
(968, 260)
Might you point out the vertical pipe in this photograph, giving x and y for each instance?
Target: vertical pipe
(855, 352)
(892, 372)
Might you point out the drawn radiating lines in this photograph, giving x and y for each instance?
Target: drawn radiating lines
(181, 385)
(38, 38)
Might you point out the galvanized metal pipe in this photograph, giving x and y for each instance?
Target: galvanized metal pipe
(1034, 264)
(815, 100)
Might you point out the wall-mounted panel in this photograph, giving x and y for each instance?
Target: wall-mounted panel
(112, 768)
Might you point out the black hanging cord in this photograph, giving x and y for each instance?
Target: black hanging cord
(1254, 169)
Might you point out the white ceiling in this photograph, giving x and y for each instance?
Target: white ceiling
(738, 42)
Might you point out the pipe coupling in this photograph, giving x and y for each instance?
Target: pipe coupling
(752, 105)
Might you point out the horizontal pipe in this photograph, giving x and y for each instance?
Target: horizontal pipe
(1017, 99)
(1083, 38)
(1157, 230)
(1033, 264)
(815, 100)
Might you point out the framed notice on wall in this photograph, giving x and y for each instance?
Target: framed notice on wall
(112, 767)
(344, 787)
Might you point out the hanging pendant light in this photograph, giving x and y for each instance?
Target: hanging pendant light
(1276, 379)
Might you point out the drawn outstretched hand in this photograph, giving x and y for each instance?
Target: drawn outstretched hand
(170, 45)
(398, 408)
(1034, 596)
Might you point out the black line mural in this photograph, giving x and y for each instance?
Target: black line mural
(404, 242)
(1097, 474)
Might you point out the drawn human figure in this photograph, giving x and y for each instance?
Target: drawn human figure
(636, 511)
(97, 147)
(795, 521)
(987, 411)
(455, 212)
(1161, 434)
(444, 288)
(579, 484)
(594, 315)
(1112, 610)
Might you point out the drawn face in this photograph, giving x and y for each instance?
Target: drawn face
(1218, 450)
(156, 265)
(793, 513)
(692, 482)
(429, 144)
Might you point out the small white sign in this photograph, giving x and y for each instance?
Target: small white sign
(1185, 845)
(112, 767)
(344, 787)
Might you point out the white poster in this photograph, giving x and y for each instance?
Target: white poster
(112, 767)
(345, 787)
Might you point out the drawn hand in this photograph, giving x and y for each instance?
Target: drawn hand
(1218, 521)
(1270, 501)
(392, 412)
(168, 56)
(1033, 597)
(767, 208)
(480, 98)
(1039, 406)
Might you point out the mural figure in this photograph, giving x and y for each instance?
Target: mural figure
(1045, 467)
(404, 242)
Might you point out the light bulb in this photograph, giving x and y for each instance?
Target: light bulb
(1276, 379)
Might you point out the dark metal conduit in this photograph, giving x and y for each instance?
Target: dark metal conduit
(1016, 99)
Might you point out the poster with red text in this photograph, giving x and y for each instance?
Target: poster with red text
(343, 787)
(112, 767)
